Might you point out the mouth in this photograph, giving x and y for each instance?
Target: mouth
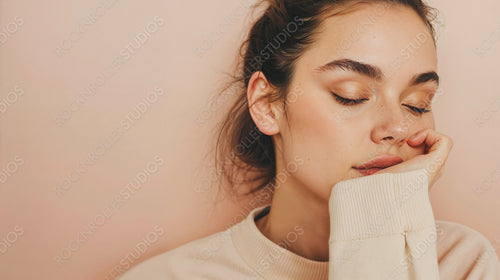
(368, 171)
(377, 164)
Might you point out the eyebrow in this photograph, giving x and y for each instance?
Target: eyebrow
(374, 72)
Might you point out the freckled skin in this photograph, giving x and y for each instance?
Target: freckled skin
(331, 138)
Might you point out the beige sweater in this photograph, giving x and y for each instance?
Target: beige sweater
(381, 227)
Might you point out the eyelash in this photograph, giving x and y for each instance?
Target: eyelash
(352, 102)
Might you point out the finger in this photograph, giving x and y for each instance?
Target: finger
(438, 143)
(417, 139)
(439, 147)
(434, 141)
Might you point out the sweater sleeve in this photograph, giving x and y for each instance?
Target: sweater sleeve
(382, 227)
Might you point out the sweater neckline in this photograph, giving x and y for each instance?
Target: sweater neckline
(268, 259)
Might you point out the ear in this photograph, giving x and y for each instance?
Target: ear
(263, 113)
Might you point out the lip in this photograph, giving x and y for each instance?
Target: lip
(378, 164)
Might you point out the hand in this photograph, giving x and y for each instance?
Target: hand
(438, 146)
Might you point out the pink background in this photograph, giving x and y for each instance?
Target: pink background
(51, 51)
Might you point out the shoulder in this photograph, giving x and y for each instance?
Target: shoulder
(197, 259)
(451, 234)
(464, 252)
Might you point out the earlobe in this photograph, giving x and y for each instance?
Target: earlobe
(269, 125)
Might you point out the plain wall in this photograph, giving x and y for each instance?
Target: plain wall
(71, 139)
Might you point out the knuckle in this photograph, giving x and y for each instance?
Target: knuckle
(450, 141)
(447, 139)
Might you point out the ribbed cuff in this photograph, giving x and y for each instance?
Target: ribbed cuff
(380, 204)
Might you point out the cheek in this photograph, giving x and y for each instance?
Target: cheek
(429, 121)
(314, 131)
(323, 144)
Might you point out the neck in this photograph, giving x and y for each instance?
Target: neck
(298, 221)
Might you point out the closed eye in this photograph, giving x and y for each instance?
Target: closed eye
(348, 102)
(352, 102)
(417, 109)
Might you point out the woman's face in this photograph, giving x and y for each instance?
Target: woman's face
(385, 58)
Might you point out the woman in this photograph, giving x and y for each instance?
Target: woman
(335, 121)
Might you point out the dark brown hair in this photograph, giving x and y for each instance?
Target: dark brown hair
(277, 38)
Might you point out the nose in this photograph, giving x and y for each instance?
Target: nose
(391, 125)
